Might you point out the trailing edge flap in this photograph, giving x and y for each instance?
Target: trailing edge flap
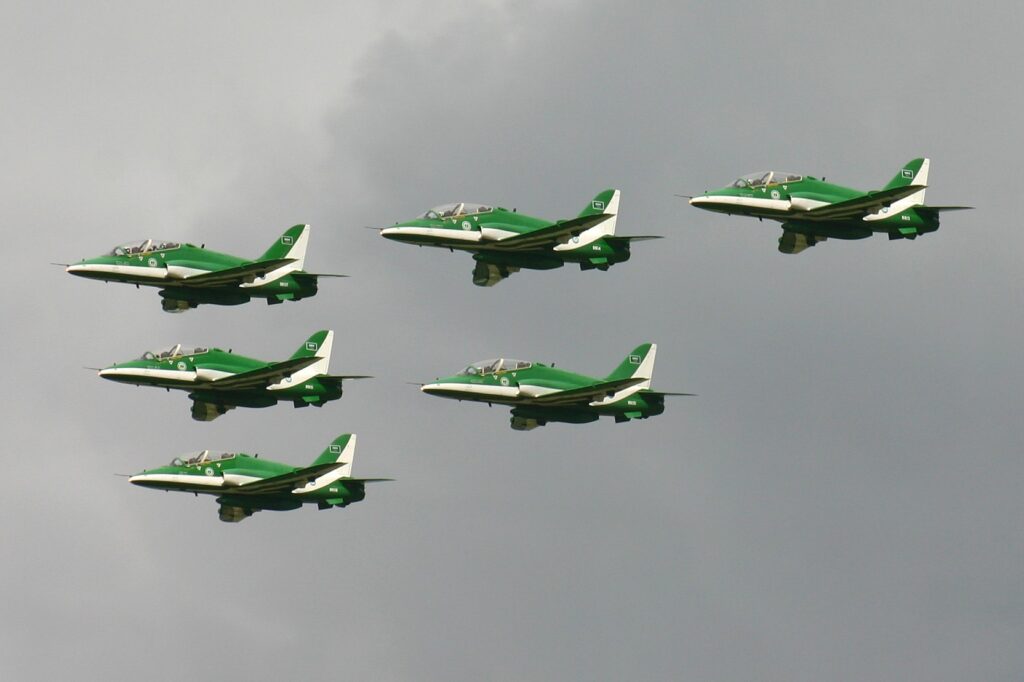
(243, 274)
(552, 235)
(585, 394)
(262, 377)
(869, 203)
(285, 482)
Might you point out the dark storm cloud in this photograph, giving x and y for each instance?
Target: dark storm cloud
(841, 501)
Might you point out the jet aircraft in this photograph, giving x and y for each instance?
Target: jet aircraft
(246, 484)
(812, 210)
(540, 393)
(191, 275)
(218, 380)
(504, 241)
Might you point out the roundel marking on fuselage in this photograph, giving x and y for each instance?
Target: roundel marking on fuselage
(466, 225)
(208, 471)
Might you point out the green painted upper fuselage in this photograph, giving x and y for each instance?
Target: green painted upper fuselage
(812, 210)
(503, 241)
(188, 275)
(789, 201)
(540, 393)
(245, 483)
(219, 380)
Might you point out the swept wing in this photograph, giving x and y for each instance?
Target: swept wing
(858, 207)
(553, 235)
(584, 394)
(242, 274)
(262, 377)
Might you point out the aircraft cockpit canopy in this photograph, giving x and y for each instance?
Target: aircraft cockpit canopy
(456, 209)
(766, 178)
(145, 246)
(177, 350)
(201, 457)
(492, 366)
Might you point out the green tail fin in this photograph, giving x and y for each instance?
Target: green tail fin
(341, 449)
(605, 202)
(291, 244)
(639, 363)
(914, 173)
(319, 345)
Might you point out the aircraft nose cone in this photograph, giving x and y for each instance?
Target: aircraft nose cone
(704, 199)
(430, 388)
(391, 232)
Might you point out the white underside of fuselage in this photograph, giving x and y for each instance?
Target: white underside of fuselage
(722, 203)
(148, 373)
(436, 233)
(97, 270)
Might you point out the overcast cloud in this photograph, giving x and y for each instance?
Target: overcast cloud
(842, 500)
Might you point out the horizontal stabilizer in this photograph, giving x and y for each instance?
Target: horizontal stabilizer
(314, 275)
(635, 238)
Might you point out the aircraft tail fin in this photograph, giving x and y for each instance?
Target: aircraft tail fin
(318, 345)
(914, 174)
(292, 244)
(342, 450)
(639, 363)
(607, 203)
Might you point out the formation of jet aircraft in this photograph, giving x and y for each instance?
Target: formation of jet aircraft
(190, 275)
(245, 484)
(218, 380)
(503, 241)
(812, 210)
(540, 393)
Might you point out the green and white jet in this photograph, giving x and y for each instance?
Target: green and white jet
(540, 393)
(190, 275)
(503, 241)
(812, 210)
(218, 380)
(245, 484)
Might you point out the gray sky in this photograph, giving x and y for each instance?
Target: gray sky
(842, 501)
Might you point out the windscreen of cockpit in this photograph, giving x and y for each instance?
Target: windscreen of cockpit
(495, 365)
(766, 178)
(144, 246)
(201, 457)
(177, 350)
(458, 208)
